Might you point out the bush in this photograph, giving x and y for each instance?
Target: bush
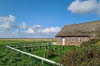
(90, 43)
(89, 55)
(50, 53)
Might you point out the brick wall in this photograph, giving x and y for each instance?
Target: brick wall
(70, 42)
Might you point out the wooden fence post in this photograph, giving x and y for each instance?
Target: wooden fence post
(42, 61)
(44, 54)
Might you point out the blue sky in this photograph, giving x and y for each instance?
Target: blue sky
(39, 18)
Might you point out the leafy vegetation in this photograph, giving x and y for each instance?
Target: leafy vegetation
(8, 57)
(51, 52)
(89, 55)
(86, 55)
(13, 58)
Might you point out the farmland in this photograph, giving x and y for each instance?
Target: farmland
(12, 58)
(34, 39)
(42, 48)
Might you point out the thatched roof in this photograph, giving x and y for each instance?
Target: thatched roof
(82, 29)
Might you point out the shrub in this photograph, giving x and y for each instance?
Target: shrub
(50, 53)
(89, 55)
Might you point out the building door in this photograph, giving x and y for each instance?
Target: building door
(63, 41)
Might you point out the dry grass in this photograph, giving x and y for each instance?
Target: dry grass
(31, 39)
(98, 43)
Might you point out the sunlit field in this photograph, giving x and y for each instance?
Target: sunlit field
(13, 58)
(36, 39)
(39, 47)
(41, 50)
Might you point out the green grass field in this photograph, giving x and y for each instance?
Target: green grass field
(58, 51)
(13, 58)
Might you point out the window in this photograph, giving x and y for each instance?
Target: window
(73, 39)
(62, 39)
(66, 39)
(79, 39)
(85, 38)
(59, 39)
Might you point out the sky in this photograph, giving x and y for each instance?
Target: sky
(44, 18)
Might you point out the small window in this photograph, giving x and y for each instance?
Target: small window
(59, 39)
(79, 39)
(66, 39)
(73, 39)
(85, 38)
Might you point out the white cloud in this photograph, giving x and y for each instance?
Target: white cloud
(87, 6)
(23, 25)
(6, 22)
(43, 30)
(5, 26)
(36, 26)
(9, 18)
(8, 29)
(51, 29)
(30, 30)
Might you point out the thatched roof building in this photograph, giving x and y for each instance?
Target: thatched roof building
(82, 29)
